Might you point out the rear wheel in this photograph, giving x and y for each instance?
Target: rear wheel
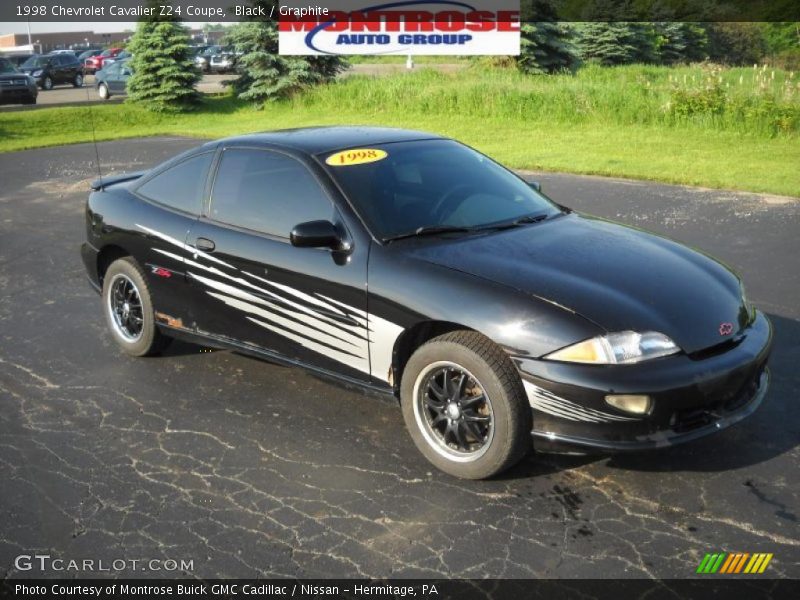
(102, 91)
(129, 309)
(464, 405)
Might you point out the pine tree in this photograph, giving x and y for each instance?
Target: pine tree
(264, 74)
(607, 43)
(164, 74)
(679, 42)
(546, 47)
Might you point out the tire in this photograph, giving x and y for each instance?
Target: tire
(78, 81)
(47, 83)
(102, 91)
(144, 339)
(490, 447)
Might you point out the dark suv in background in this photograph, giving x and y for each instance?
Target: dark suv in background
(15, 87)
(52, 69)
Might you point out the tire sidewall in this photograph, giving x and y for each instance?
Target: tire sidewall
(47, 83)
(102, 91)
(146, 341)
(78, 81)
(497, 455)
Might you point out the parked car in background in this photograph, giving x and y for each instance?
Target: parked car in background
(224, 61)
(203, 59)
(95, 63)
(88, 53)
(53, 69)
(113, 79)
(63, 51)
(124, 55)
(18, 59)
(15, 86)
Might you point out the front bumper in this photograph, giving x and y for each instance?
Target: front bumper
(691, 397)
(13, 94)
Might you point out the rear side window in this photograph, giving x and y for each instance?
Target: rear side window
(267, 192)
(181, 186)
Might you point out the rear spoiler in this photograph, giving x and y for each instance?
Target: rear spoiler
(99, 184)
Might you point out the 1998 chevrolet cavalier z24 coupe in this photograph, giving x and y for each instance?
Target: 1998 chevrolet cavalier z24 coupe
(413, 265)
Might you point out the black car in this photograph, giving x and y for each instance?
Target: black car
(412, 265)
(52, 69)
(15, 86)
(112, 80)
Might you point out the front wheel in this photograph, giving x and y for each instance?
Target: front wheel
(78, 81)
(464, 405)
(47, 83)
(102, 91)
(128, 308)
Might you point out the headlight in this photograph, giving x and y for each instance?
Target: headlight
(617, 348)
(37, 73)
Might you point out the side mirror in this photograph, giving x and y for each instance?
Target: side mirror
(317, 234)
(535, 185)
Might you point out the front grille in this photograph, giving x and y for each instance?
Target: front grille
(12, 82)
(694, 418)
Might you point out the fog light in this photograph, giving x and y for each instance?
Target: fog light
(638, 405)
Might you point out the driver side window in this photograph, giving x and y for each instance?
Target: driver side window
(267, 192)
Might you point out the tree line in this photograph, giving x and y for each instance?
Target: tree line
(165, 76)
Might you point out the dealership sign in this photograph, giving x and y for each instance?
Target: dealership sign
(402, 27)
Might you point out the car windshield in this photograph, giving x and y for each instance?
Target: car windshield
(6, 66)
(35, 61)
(105, 53)
(409, 187)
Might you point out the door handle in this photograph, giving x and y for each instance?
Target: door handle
(205, 244)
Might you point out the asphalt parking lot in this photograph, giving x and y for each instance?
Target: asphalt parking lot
(66, 95)
(251, 469)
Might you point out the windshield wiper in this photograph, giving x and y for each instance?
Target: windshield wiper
(430, 230)
(524, 220)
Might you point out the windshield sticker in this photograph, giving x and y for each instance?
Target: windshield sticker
(358, 156)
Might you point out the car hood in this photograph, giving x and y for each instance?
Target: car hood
(618, 277)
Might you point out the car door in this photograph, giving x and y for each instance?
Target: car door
(74, 66)
(114, 80)
(60, 69)
(123, 75)
(252, 285)
(172, 199)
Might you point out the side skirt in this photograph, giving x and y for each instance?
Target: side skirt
(218, 341)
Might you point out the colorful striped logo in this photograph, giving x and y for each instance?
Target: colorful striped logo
(734, 563)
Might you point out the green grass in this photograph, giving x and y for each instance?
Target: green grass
(616, 122)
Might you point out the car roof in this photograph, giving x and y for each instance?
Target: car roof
(319, 140)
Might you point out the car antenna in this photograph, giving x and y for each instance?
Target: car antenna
(94, 136)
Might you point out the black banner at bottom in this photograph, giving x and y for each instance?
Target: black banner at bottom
(708, 588)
